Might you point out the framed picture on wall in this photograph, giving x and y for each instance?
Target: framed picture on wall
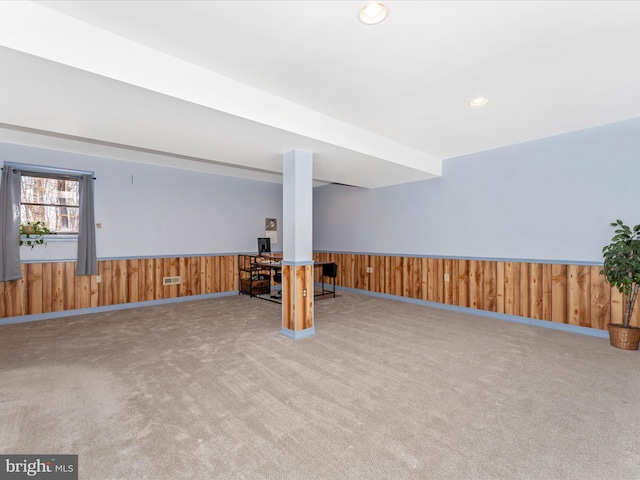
(271, 229)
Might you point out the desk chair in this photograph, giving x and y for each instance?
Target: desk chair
(277, 278)
(329, 270)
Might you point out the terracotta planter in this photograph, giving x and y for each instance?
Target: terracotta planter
(28, 229)
(626, 338)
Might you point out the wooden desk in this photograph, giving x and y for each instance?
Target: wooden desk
(252, 268)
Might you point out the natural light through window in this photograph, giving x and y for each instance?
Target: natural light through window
(54, 200)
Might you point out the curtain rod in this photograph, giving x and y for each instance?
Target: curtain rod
(53, 175)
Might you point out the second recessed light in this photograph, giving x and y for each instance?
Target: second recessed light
(479, 101)
(373, 12)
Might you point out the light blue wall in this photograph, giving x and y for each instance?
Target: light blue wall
(550, 199)
(165, 211)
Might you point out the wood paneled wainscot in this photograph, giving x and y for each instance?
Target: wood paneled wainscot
(54, 287)
(564, 293)
(297, 297)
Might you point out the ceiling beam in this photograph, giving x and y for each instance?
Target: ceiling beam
(34, 29)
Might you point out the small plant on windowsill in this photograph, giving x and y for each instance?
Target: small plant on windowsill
(32, 233)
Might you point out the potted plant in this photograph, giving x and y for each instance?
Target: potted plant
(622, 270)
(32, 233)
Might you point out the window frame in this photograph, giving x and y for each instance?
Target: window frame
(51, 172)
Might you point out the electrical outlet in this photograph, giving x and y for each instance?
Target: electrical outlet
(369, 269)
(446, 277)
(98, 278)
(304, 292)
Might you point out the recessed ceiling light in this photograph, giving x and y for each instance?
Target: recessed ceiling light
(479, 101)
(373, 12)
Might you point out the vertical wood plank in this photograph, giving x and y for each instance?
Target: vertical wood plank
(236, 272)
(221, 275)
(150, 279)
(388, 269)
(195, 269)
(474, 296)
(230, 268)
(617, 305)
(398, 275)
(440, 281)
(173, 291)
(133, 274)
(424, 278)
(93, 299)
(12, 304)
(432, 279)
(525, 289)
(511, 288)
(559, 293)
(47, 276)
(368, 277)
(500, 287)
(304, 277)
(379, 273)
(390, 266)
(600, 299)
(21, 291)
(350, 261)
(104, 267)
(490, 285)
(416, 277)
(372, 276)
(202, 275)
(287, 297)
(536, 291)
(579, 295)
(184, 270)
(463, 283)
(358, 277)
(406, 275)
(217, 273)
(476, 284)
(15, 295)
(120, 281)
(208, 277)
(34, 288)
(82, 289)
(316, 257)
(547, 292)
(226, 273)
(455, 281)
(635, 317)
(447, 281)
(57, 287)
(7, 303)
(158, 274)
(69, 287)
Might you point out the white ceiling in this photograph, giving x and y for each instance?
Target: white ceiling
(229, 86)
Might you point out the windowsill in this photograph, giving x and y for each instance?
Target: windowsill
(60, 238)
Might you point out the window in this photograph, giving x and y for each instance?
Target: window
(52, 199)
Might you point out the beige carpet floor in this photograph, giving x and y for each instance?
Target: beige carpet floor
(210, 389)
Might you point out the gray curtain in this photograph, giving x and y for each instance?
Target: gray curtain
(10, 225)
(87, 262)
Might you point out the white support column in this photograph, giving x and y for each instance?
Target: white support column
(297, 262)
